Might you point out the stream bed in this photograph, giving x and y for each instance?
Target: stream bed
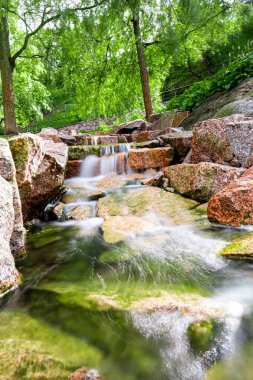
(158, 304)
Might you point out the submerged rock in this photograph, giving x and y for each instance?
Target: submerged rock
(86, 192)
(233, 205)
(240, 248)
(80, 212)
(139, 210)
(8, 273)
(117, 228)
(57, 211)
(40, 166)
(201, 334)
(8, 172)
(110, 181)
(140, 159)
(146, 200)
(200, 181)
(226, 141)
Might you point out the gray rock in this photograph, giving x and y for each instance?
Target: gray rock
(8, 273)
(227, 141)
(211, 106)
(8, 172)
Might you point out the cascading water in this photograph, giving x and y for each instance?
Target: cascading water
(113, 159)
(94, 140)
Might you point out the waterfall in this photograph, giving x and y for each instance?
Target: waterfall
(113, 159)
(94, 140)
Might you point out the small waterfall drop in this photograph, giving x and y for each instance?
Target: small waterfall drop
(113, 159)
(94, 140)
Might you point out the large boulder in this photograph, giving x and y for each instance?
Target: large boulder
(200, 181)
(8, 274)
(233, 205)
(40, 168)
(222, 104)
(145, 158)
(240, 106)
(227, 141)
(8, 172)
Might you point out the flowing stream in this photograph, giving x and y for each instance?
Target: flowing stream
(159, 305)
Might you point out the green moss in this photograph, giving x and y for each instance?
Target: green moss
(81, 152)
(241, 247)
(201, 335)
(31, 349)
(20, 148)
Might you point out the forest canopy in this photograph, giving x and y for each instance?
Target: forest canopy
(81, 56)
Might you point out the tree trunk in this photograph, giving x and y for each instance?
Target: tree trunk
(142, 64)
(6, 67)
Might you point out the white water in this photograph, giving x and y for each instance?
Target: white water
(113, 159)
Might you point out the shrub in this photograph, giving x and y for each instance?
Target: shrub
(223, 80)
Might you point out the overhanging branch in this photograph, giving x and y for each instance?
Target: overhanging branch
(45, 21)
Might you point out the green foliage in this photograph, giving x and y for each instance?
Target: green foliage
(223, 80)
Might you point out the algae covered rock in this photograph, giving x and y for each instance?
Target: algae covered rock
(138, 211)
(146, 200)
(240, 248)
(85, 193)
(81, 152)
(117, 228)
(40, 166)
(201, 334)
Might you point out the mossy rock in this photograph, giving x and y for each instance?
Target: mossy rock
(240, 248)
(201, 335)
(242, 106)
(20, 147)
(81, 152)
(148, 200)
